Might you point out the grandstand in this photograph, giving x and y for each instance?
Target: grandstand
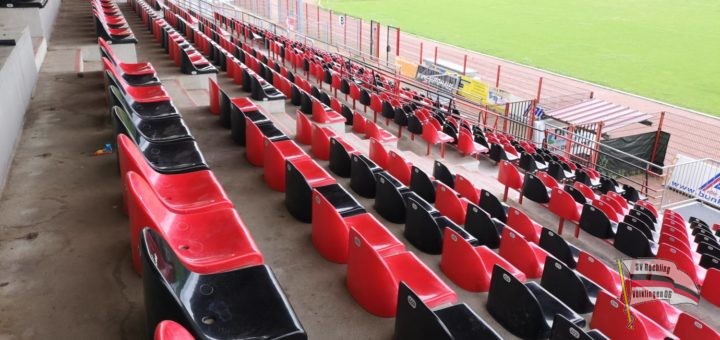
(180, 170)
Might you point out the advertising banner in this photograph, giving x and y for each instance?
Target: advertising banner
(474, 90)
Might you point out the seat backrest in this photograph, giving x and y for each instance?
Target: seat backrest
(518, 251)
(466, 189)
(359, 122)
(563, 205)
(556, 246)
(399, 167)
(171, 330)
(364, 264)
(378, 154)
(448, 202)
(522, 223)
(512, 304)
(131, 159)
(576, 194)
(548, 180)
(612, 203)
(107, 51)
(599, 273)
(421, 184)
(683, 261)
(607, 210)
(610, 317)
(443, 174)
(689, 327)
(585, 190)
(534, 189)
(481, 226)
(492, 205)
(619, 199)
(563, 329)
(421, 229)
(143, 200)
(509, 175)
(562, 282)
(414, 320)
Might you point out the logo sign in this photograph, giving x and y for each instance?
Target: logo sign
(658, 279)
(696, 179)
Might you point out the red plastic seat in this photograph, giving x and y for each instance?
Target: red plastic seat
(323, 116)
(354, 93)
(373, 279)
(607, 209)
(171, 330)
(303, 128)
(688, 327)
(399, 168)
(661, 312)
(470, 267)
(619, 199)
(599, 273)
(184, 193)
(276, 153)
(372, 130)
(359, 122)
(466, 189)
(683, 262)
(524, 225)
(335, 104)
(610, 318)
(614, 204)
(137, 69)
(467, 145)
(526, 256)
(378, 154)
(709, 290)
(330, 231)
(375, 104)
(509, 176)
(448, 203)
(321, 142)
(140, 94)
(648, 206)
(433, 136)
(548, 180)
(564, 206)
(206, 242)
(585, 191)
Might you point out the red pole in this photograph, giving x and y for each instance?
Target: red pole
(436, 55)
(569, 141)
(539, 89)
(421, 52)
(596, 151)
(657, 136)
(464, 64)
(330, 26)
(497, 79)
(317, 10)
(531, 121)
(377, 40)
(507, 113)
(397, 43)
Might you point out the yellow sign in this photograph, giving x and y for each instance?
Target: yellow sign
(474, 90)
(407, 69)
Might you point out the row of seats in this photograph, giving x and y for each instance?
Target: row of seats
(187, 240)
(110, 23)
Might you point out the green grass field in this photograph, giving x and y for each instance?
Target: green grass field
(667, 50)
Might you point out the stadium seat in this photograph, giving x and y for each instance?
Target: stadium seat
(470, 265)
(276, 155)
(493, 206)
(610, 318)
(390, 197)
(526, 310)
(574, 290)
(303, 128)
(524, 225)
(510, 177)
(596, 223)
(240, 109)
(325, 115)
(467, 146)
(334, 213)
(167, 129)
(399, 168)
(564, 206)
(415, 320)
(422, 185)
(599, 273)
(424, 225)
(560, 249)
(229, 246)
(563, 329)
(484, 228)
(660, 311)
(689, 327)
(301, 176)
(372, 130)
(359, 123)
(709, 291)
(535, 190)
(182, 193)
(443, 174)
(683, 262)
(213, 305)
(450, 204)
(136, 74)
(526, 256)
(320, 145)
(466, 189)
(362, 175)
(434, 137)
(373, 280)
(378, 154)
(340, 152)
(171, 330)
(632, 242)
(256, 134)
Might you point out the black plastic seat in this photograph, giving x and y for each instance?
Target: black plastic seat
(315, 92)
(640, 225)
(443, 174)
(528, 163)
(576, 194)
(498, 153)
(155, 110)
(558, 171)
(424, 225)
(563, 329)
(609, 184)
(556, 246)
(574, 290)
(401, 117)
(364, 97)
(247, 80)
(295, 95)
(534, 189)
(422, 185)
(225, 110)
(631, 194)
(594, 222)
(347, 112)
(388, 111)
(246, 303)
(173, 157)
(493, 206)
(153, 130)
(648, 213)
(634, 212)
(305, 103)
(526, 310)
(270, 131)
(344, 86)
(23, 3)
(415, 320)
(237, 122)
(298, 188)
(633, 242)
(582, 177)
(451, 131)
(414, 125)
(324, 98)
(708, 261)
(390, 197)
(340, 160)
(344, 203)
(484, 228)
(188, 67)
(362, 175)
(709, 249)
(265, 91)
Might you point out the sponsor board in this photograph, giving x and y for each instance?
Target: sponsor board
(696, 179)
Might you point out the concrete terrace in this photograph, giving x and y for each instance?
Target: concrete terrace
(65, 267)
